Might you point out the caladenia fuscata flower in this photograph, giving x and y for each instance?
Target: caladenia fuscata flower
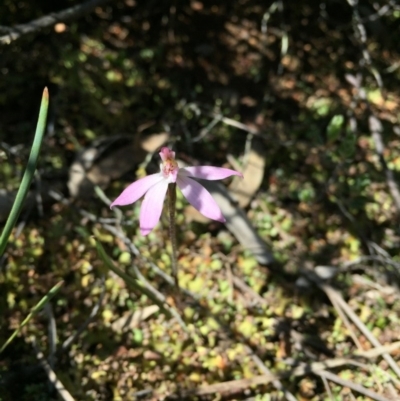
(154, 188)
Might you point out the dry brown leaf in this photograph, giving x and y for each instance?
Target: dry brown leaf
(253, 173)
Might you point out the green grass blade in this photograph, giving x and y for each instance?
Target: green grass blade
(37, 308)
(129, 280)
(29, 172)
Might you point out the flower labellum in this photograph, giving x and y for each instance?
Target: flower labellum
(155, 186)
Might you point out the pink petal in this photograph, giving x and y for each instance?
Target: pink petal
(137, 189)
(208, 172)
(200, 198)
(167, 154)
(152, 206)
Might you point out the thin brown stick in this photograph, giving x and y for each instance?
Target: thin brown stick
(346, 321)
(275, 382)
(241, 285)
(374, 352)
(62, 391)
(235, 386)
(236, 124)
(375, 126)
(49, 20)
(361, 326)
(340, 302)
(376, 129)
(52, 329)
(354, 386)
(327, 388)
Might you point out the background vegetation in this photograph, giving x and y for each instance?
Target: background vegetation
(310, 91)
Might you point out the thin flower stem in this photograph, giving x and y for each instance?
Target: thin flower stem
(172, 230)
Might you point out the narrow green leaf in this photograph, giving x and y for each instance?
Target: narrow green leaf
(129, 280)
(29, 172)
(37, 308)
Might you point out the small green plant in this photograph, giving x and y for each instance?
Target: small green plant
(29, 172)
(17, 206)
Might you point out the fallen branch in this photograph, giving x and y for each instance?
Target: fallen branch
(17, 31)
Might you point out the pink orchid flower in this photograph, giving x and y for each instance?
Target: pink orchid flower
(155, 186)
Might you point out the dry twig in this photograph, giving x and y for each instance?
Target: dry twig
(275, 382)
(52, 329)
(354, 386)
(236, 386)
(375, 126)
(345, 320)
(332, 293)
(61, 390)
(48, 20)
